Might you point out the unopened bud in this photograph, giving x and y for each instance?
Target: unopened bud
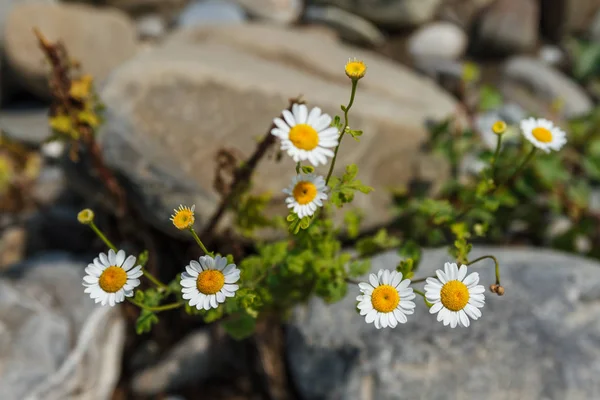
(500, 290)
(499, 127)
(493, 288)
(85, 216)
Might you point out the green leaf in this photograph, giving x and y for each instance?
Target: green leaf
(489, 98)
(356, 134)
(240, 327)
(379, 242)
(308, 169)
(145, 322)
(359, 268)
(143, 258)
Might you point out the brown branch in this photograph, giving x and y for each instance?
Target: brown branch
(241, 179)
(60, 85)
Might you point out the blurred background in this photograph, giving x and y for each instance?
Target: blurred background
(180, 80)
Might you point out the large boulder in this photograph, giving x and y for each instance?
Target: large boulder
(538, 341)
(55, 344)
(171, 110)
(99, 38)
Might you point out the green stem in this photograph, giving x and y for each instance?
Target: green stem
(101, 236)
(346, 109)
(352, 281)
(521, 167)
(157, 309)
(204, 249)
(428, 304)
(298, 166)
(497, 265)
(496, 155)
(154, 280)
(419, 280)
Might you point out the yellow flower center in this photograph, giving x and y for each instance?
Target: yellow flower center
(210, 282)
(455, 295)
(499, 127)
(113, 279)
(184, 219)
(355, 69)
(304, 137)
(385, 298)
(542, 134)
(305, 192)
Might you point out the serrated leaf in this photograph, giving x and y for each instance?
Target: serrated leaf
(145, 322)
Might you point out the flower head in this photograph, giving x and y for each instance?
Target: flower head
(355, 69)
(209, 281)
(455, 296)
(85, 216)
(183, 217)
(386, 299)
(306, 135)
(499, 127)
(543, 134)
(111, 278)
(306, 193)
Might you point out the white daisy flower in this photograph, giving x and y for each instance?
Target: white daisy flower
(111, 278)
(208, 282)
(455, 296)
(386, 299)
(543, 134)
(306, 136)
(306, 193)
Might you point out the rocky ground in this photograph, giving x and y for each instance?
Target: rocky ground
(182, 79)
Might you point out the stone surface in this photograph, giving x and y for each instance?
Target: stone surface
(151, 26)
(211, 12)
(350, 27)
(78, 26)
(138, 7)
(463, 12)
(538, 341)
(536, 85)
(390, 13)
(194, 359)
(275, 11)
(560, 17)
(26, 122)
(507, 27)
(55, 344)
(169, 112)
(438, 40)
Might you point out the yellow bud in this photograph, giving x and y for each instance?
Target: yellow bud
(86, 216)
(470, 72)
(499, 127)
(355, 69)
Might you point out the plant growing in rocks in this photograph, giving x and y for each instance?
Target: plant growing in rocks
(310, 260)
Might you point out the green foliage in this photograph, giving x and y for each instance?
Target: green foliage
(345, 188)
(377, 243)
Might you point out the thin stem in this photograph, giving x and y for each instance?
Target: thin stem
(353, 281)
(521, 167)
(298, 165)
(157, 309)
(346, 109)
(101, 236)
(154, 280)
(428, 304)
(419, 280)
(497, 265)
(204, 249)
(495, 159)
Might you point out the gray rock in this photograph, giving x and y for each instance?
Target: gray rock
(151, 26)
(167, 8)
(552, 55)
(438, 40)
(49, 185)
(26, 123)
(538, 341)
(171, 110)
(350, 27)
(560, 17)
(390, 13)
(535, 86)
(462, 12)
(508, 27)
(211, 12)
(191, 360)
(55, 344)
(78, 26)
(275, 11)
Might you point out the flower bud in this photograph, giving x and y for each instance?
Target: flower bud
(500, 290)
(499, 127)
(86, 216)
(355, 69)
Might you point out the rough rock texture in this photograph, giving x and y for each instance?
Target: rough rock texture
(536, 85)
(78, 26)
(507, 27)
(391, 13)
(539, 341)
(55, 344)
(171, 110)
